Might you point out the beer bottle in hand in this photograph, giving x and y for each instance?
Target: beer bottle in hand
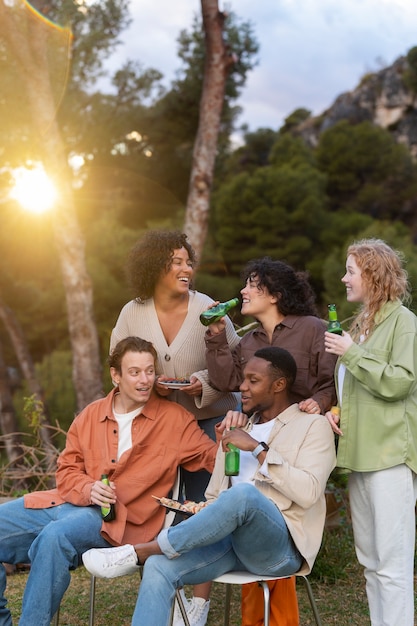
(108, 513)
(334, 325)
(217, 312)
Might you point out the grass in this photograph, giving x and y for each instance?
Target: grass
(337, 582)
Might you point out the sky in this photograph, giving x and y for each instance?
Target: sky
(311, 51)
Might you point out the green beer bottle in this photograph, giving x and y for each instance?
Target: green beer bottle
(108, 513)
(217, 312)
(232, 460)
(334, 325)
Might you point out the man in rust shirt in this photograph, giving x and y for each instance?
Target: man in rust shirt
(139, 440)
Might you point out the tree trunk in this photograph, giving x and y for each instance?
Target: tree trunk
(26, 365)
(9, 427)
(31, 46)
(217, 64)
(11, 439)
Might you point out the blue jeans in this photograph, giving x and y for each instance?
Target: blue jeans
(241, 530)
(52, 540)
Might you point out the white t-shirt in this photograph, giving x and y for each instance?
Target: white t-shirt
(124, 421)
(341, 374)
(248, 463)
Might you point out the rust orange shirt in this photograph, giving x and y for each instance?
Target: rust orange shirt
(164, 436)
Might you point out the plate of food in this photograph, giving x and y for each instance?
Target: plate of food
(187, 508)
(175, 383)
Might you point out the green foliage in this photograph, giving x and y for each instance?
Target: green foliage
(109, 244)
(31, 282)
(33, 410)
(337, 555)
(396, 235)
(173, 120)
(410, 74)
(222, 290)
(74, 64)
(240, 41)
(290, 150)
(55, 375)
(274, 195)
(96, 29)
(252, 154)
(295, 119)
(277, 211)
(367, 170)
(307, 205)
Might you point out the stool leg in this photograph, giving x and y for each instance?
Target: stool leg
(266, 602)
(92, 600)
(227, 605)
(182, 608)
(312, 600)
(56, 618)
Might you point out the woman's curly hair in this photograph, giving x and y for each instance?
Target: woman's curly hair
(294, 294)
(384, 279)
(151, 256)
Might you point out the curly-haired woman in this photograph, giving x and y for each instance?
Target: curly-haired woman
(377, 389)
(166, 312)
(283, 302)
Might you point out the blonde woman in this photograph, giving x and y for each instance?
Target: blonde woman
(377, 428)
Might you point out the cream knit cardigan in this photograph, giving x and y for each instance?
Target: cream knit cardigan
(185, 357)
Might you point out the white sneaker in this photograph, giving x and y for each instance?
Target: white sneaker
(111, 562)
(197, 612)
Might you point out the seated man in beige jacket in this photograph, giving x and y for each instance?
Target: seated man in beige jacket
(268, 520)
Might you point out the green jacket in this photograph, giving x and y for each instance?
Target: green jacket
(379, 396)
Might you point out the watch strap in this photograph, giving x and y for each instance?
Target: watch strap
(261, 447)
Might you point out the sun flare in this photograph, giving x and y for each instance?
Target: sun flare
(33, 189)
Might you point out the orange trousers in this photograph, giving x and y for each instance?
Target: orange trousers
(284, 604)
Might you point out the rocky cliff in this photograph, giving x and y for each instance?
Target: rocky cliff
(382, 97)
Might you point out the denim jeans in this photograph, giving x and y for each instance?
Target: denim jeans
(52, 540)
(241, 530)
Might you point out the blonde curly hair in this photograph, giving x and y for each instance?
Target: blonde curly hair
(384, 279)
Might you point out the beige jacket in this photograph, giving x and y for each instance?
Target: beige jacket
(300, 459)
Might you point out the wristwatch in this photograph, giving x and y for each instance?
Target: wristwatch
(261, 447)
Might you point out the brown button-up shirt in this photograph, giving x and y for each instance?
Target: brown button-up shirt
(302, 336)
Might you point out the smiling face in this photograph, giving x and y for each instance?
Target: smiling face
(256, 300)
(135, 380)
(353, 281)
(178, 276)
(259, 388)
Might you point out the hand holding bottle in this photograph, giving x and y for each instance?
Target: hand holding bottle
(232, 419)
(217, 311)
(108, 510)
(333, 417)
(215, 328)
(239, 438)
(337, 344)
(102, 494)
